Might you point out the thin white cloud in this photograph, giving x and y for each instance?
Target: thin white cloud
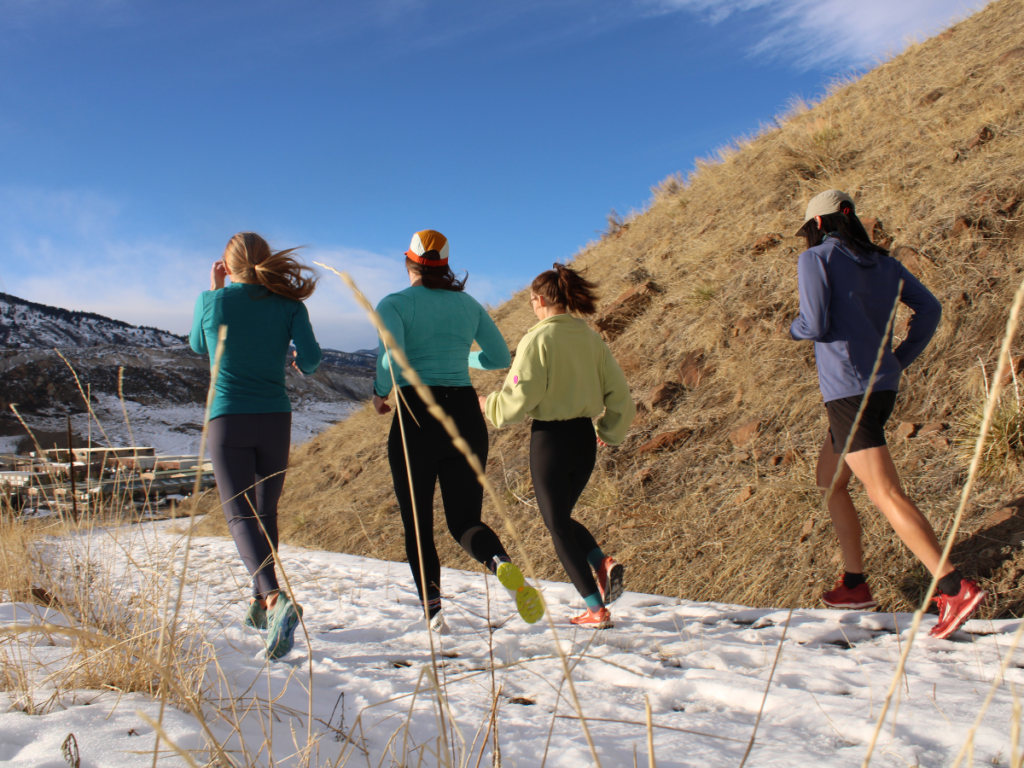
(69, 249)
(830, 32)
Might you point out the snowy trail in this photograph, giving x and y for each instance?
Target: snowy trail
(703, 667)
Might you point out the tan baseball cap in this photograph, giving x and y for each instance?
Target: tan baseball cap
(824, 203)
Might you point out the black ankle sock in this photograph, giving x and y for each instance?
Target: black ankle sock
(949, 584)
(853, 580)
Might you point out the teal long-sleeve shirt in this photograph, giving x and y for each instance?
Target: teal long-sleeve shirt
(436, 329)
(261, 325)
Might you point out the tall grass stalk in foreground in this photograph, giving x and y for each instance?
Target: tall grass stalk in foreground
(990, 407)
(460, 443)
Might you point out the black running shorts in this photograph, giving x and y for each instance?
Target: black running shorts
(871, 430)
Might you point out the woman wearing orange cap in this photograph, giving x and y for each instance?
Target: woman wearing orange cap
(435, 322)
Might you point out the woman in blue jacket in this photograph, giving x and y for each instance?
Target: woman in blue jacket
(848, 287)
(249, 433)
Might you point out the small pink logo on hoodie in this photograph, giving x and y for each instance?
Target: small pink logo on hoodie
(515, 379)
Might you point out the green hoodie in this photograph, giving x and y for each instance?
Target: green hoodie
(563, 370)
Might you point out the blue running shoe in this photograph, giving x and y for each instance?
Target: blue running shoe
(255, 616)
(284, 618)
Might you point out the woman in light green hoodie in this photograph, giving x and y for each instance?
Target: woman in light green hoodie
(564, 376)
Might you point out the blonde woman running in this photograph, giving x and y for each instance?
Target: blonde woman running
(564, 376)
(249, 433)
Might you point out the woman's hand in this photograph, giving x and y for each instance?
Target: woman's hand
(380, 405)
(217, 274)
(482, 399)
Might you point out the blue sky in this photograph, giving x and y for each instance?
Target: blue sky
(137, 136)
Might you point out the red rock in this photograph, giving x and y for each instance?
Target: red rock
(743, 326)
(984, 136)
(913, 260)
(874, 229)
(906, 430)
(644, 476)
(807, 530)
(664, 441)
(932, 96)
(663, 395)
(1011, 55)
(745, 494)
(745, 433)
(950, 155)
(942, 443)
(738, 458)
(960, 225)
(628, 306)
(765, 242)
(1003, 515)
(790, 457)
(774, 461)
(932, 429)
(694, 369)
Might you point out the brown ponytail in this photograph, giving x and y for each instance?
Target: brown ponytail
(249, 257)
(565, 287)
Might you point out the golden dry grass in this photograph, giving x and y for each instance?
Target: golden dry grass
(674, 516)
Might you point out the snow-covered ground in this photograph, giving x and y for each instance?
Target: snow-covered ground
(171, 429)
(703, 667)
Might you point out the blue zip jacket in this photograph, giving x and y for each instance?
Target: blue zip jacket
(845, 301)
(436, 329)
(260, 326)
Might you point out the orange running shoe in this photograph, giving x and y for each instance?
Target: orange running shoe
(857, 598)
(594, 619)
(956, 609)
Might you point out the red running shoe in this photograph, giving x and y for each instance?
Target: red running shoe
(609, 579)
(599, 619)
(955, 610)
(842, 597)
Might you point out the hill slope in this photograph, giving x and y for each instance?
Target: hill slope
(932, 145)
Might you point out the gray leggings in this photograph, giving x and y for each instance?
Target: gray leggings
(250, 453)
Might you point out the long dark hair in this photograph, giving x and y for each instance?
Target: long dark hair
(565, 287)
(846, 226)
(437, 277)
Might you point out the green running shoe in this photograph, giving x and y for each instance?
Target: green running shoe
(529, 603)
(284, 618)
(255, 616)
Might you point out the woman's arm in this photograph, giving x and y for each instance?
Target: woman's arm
(307, 351)
(524, 386)
(815, 293)
(924, 321)
(619, 408)
(493, 354)
(388, 311)
(197, 338)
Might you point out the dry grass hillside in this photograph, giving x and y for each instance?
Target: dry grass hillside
(931, 144)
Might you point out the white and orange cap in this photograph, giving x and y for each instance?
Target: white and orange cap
(429, 248)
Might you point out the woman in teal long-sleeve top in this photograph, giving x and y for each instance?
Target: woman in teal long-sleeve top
(435, 323)
(249, 432)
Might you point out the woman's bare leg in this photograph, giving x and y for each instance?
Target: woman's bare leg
(875, 469)
(840, 507)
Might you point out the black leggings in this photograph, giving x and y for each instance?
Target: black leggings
(562, 457)
(434, 458)
(250, 453)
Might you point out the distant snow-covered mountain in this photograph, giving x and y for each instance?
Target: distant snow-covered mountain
(27, 325)
(155, 372)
